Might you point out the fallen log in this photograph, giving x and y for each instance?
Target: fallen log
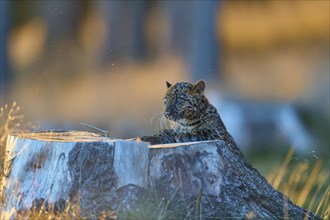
(210, 179)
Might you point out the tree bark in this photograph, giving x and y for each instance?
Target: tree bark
(210, 179)
(54, 168)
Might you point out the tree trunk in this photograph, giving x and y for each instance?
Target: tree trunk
(202, 180)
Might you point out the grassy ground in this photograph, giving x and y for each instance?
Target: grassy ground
(305, 182)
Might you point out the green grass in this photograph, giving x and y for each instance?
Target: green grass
(305, 183)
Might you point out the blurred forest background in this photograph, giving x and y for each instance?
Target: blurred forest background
(105, 63)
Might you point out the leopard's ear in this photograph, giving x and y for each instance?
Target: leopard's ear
(199, 86)
(168, 84)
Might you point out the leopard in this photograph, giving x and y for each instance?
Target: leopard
(192, 117)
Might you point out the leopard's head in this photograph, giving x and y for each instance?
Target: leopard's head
(183, 101)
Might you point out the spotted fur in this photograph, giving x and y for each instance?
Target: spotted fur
(193, 117)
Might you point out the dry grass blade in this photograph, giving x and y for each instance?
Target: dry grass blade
(303, 183)
(311, 181)
(324, 205)
(317, 192)
(277, 177)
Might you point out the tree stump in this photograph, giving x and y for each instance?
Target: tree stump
(209, 179)
(212, 179)
(54, 168)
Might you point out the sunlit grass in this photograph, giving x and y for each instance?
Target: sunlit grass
(304, 181)
(10, 120)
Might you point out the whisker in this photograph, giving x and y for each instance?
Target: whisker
(155, 120)
(156, 114)
(160, 122)
(165, 123)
